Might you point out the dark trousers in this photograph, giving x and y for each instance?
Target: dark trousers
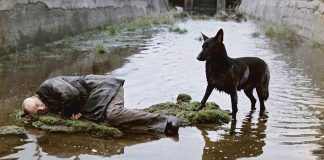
(129, 120)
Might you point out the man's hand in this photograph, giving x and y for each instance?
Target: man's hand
(76, 116)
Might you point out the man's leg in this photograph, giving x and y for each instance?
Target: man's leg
(133, 120)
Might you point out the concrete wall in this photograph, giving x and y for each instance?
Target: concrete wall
(305, 17)
(25, 23)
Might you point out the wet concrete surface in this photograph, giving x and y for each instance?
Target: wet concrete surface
(157, 66)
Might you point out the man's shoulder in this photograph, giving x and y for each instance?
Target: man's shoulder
(94, 77)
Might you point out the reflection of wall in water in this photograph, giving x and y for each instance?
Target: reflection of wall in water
(200, 6)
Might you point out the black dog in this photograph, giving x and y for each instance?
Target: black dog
(232, 74)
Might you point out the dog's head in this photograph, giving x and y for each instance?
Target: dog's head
(213, 47)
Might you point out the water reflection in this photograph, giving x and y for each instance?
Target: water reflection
(39, 145)
(245, 141)
(9, 144)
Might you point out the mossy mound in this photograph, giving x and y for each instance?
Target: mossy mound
(183, 97)
(12, 130)
(184, 110)
(55, 123)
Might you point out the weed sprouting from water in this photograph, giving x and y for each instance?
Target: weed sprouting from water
(100, 48)
(178, 30)
(256, 34)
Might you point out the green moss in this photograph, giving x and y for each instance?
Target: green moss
(279, 32)
(103, 131)
(55, 123)
(184, 110)
(12, 130)
(183, 98)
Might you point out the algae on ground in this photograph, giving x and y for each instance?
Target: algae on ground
(55, 123)
(12, 130)
(184, 110)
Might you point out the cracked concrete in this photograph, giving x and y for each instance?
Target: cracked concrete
(25, 23)
(305, 17)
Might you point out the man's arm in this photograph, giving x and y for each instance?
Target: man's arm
(63, 94)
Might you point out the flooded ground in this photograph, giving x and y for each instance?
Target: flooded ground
(157, 66)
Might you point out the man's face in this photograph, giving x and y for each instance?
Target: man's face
(33, 105)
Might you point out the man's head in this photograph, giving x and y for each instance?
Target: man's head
(33, 105)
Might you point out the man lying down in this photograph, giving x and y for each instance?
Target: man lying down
(99, 98)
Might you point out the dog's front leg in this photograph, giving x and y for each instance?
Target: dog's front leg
(209, 90)
(234, 104)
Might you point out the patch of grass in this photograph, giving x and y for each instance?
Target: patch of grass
(141, 23)
(256, 34)
(12, 130)
(223, 16)
(182, 15)
(114, 29)
(184, 110)
(100, 48)
(178, 30)
(279, 32)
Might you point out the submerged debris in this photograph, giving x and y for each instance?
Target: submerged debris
(12, 130)
(184, 110)
(55, 123)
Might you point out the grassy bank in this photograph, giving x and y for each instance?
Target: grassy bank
(141, 23)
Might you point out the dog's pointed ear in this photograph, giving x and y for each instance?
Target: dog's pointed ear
(219, 36)
(204, 36)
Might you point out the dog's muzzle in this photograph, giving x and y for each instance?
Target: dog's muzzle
(200, 57)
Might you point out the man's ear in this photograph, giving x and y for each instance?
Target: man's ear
(219, 36)
(204, 36)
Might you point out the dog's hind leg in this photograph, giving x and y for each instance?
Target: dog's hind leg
(209, 90)
(259, 90)
(234, 104)
(249, 93)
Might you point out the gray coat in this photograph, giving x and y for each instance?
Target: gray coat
(88, 95)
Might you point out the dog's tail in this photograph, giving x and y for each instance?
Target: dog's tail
(265, 85)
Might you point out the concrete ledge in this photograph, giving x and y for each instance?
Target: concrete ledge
(305, 17)
(24, 23)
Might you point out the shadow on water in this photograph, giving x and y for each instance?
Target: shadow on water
(244, 141)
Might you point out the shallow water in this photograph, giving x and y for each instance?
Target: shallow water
(157, 66)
